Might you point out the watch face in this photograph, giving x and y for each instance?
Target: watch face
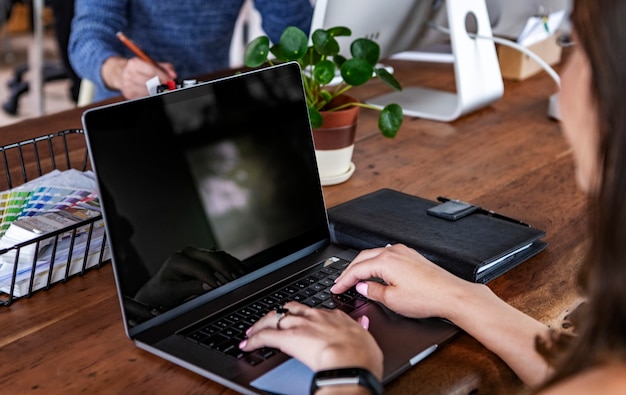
(336, 373)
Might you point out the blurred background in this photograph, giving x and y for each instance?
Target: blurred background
(16, 41)
(18, 45)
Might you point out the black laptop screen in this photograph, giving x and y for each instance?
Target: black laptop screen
(204, 185)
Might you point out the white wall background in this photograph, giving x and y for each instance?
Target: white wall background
(249, 22)
(515, 13)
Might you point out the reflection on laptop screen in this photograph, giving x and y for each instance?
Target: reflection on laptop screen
(200, 186)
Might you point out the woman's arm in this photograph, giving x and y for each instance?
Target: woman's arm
(416, 287)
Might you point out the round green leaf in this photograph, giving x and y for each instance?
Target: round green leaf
(324, 72)
(365, 49)
(324, 42)
(293, 43)
(356, 71)
(390, 120)
(388, 79)
(315, 117)
(256, 52)
(340, 31)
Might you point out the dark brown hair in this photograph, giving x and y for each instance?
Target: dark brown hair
(600, 27)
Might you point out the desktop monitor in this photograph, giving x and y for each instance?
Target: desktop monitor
(403, 26)
(396, 28)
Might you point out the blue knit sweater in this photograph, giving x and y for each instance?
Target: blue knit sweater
(193, 35)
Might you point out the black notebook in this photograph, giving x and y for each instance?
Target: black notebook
(477, 245)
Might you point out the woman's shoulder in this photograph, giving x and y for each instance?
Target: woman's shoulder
(606, 379)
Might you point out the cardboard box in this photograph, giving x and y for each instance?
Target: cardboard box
(518, 66)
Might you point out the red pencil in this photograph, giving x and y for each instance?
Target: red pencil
(139, 52)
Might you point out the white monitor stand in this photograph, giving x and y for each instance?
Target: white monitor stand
(477, 71)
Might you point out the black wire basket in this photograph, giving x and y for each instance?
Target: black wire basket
(83, 243)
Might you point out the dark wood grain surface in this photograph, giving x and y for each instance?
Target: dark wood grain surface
(508, 157)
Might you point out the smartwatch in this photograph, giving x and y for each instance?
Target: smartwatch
(346, 376)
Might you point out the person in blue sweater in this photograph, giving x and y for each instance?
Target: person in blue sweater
(188, 38)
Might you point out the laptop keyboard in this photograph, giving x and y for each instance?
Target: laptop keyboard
(225, 332)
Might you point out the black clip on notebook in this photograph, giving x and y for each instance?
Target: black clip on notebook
(469, 241)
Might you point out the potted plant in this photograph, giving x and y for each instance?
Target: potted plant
(319, 61)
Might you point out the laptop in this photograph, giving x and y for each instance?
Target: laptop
(215, 215)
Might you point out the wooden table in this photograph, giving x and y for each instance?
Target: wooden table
(508, 157)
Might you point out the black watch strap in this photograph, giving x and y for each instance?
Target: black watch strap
(346, 376)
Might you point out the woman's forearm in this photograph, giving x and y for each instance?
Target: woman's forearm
(501, 328)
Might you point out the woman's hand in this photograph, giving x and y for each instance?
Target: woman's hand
(413, 286)
(319, 338)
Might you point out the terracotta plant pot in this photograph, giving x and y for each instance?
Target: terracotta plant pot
(334, 142)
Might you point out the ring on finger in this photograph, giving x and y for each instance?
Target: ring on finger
(281, 313)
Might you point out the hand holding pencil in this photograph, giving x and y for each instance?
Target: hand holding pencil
(139, 52)
(132, 74)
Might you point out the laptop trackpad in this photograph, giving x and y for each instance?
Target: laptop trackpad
(404, 341)
(290, 377)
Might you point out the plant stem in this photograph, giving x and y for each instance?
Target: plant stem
(354, 104)
(341, 89)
